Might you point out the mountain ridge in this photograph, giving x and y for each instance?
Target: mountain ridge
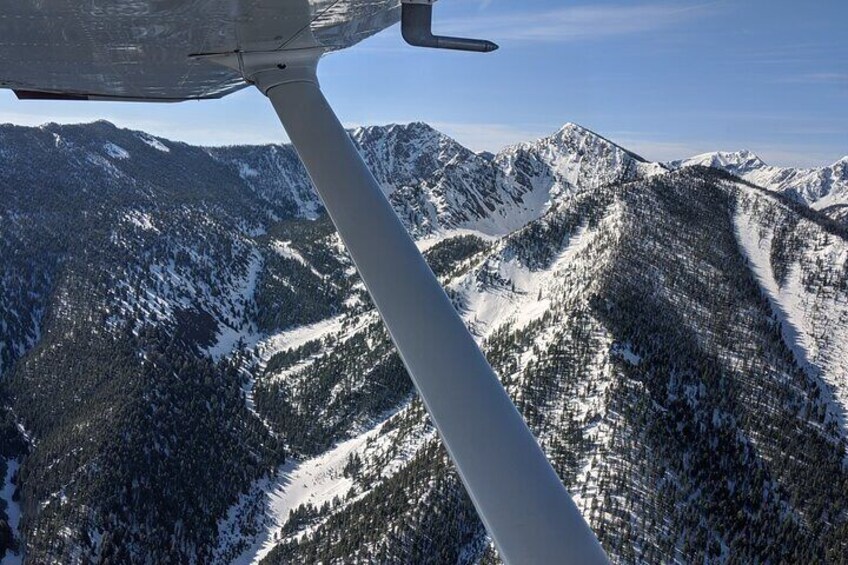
(420, 146)
(202, 375)
(818, 187)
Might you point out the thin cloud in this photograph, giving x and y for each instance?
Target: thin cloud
(580, 23)
(819, 78)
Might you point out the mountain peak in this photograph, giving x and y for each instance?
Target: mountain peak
(569, 127)
(82, 126)
(743, 158)
(395, 129)
(405, 155)
(568, 161)
(415, 137)
(737, 162)
(571, 132)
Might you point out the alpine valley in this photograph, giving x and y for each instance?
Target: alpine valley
(192, 372)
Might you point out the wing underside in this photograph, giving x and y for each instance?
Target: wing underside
(147, 49)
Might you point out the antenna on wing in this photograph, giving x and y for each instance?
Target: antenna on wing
(416, 26)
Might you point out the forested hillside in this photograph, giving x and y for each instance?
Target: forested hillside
(192, 372)
(632, 331)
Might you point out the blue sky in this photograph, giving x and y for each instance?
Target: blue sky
(665, 79)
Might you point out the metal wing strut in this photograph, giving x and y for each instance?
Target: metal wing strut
(519, 497)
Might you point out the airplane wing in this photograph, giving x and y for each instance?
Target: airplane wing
(147, 49)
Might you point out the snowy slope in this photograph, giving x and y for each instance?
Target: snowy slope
(572, 159)
(599, 316)
(436, 185)
(799, 266)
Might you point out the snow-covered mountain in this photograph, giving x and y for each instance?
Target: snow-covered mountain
(641, 331)
(569, 161)
(436, 185)
(191, 371)
(575, 157)
(820, 188)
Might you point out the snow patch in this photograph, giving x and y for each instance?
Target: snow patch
(285, 249)
(141, 220)
(624, 351)
(313, 481)
(154, 143)
(526, 299)
(116, 151)
(105, 164)
(229, 334)
(246, 171)
(756, 245)
(431, 240)
(294, 338)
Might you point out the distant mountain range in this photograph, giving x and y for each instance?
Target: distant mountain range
(191, 371)
(822, 188)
